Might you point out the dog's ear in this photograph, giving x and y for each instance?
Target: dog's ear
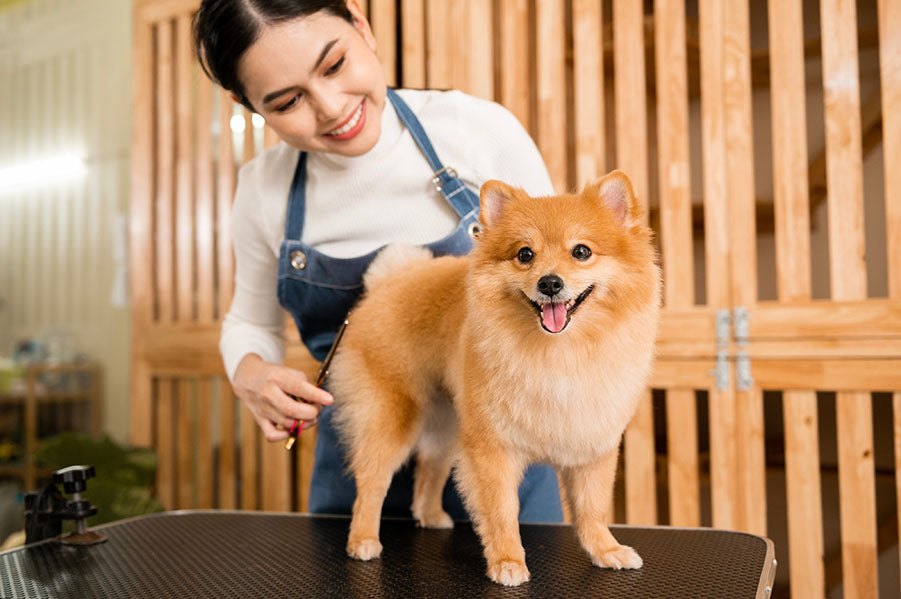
(492, 198)
(615, 190)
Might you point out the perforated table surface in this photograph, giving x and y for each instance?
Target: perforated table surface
(251, 554)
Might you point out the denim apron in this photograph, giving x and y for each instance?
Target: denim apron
(318, 291)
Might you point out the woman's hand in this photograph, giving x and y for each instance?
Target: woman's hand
(266, 390)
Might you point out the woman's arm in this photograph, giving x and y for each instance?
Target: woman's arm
(251, 343)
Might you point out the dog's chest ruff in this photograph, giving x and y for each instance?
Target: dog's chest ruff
(569, 419)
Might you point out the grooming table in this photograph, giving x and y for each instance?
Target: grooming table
(210, 553)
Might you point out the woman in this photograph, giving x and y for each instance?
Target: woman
(358, 168)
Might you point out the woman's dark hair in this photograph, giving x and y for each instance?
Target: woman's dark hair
(224, 29)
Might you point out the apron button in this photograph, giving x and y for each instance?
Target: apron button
(298, 260)
(474, 230)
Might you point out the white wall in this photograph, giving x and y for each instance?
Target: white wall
(65, 84)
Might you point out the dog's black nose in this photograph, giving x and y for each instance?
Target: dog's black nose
(550, 285)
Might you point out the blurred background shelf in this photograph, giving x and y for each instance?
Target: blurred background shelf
(53, 399)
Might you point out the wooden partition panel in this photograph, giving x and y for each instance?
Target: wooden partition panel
(696, 451)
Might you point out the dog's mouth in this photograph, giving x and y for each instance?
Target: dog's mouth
(554, 316)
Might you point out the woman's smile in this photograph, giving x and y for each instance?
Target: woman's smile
(351, 126)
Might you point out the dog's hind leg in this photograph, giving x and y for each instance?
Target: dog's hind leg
(589, 489)
(379, 446)
(435, 452)
(428, 487)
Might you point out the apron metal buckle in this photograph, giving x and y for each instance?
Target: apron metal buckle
(436, 179)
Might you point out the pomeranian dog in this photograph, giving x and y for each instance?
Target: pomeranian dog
(534, 348)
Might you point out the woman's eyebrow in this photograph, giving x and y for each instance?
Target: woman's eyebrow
(324, 53)
(325, 50)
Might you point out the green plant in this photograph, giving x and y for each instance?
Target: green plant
(121, 488)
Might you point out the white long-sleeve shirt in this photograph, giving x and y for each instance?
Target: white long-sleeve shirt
(357, 204)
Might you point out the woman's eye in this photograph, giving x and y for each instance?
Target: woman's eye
(525, 255)
(294, 99)
(335, 67)
(581, 252)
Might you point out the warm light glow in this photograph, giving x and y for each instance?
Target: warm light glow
(45, 172)
(237, 123)
(258, 121)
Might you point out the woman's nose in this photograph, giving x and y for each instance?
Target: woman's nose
(329, 105)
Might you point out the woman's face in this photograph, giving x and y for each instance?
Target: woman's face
(317, 82)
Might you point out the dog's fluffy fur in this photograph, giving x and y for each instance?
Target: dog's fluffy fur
(455, 359)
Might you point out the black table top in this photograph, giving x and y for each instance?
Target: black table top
(208, 553)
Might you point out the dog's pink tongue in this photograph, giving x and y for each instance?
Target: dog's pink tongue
(553, 315)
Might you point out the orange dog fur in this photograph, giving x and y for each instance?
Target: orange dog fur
(530, 349)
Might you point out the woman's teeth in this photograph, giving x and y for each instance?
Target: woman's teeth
(350, 124)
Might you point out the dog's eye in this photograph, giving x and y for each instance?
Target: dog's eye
(581, 252)
(525, 255)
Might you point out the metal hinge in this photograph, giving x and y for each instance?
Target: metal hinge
(721, 371)
(724, 322)
(743, 379)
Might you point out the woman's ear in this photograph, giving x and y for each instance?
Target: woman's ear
(360, 23)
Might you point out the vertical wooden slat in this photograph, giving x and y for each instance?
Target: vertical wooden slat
(890, 71)
(270, 137)
(227, 459)
(682, 458)
(792, 230)
(639, 466)
(249, 461)
(204, 202)
(248, 150)
(184, 225)
(165, 469)
(438, 58)
(844, 170)
(857, 494)
(630, 94)
(185, 443)
(458, 45)
(275, 477)
(480, 49)
(204, 444)
(514, 59)
(551, 81)
(382, 19)
(672, 144)
(165, 121)
(632, 157)
(140, 227)
(225, 189)
(716, 245)
(737, 109)
(306, 453)
(413, 43)
(588, 81)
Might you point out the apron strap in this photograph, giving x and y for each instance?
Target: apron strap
(445, 179)
(297, 200)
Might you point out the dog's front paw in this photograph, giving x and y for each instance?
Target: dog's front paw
(508, 572)
(618, 558)
(364, 549)
(438, 519)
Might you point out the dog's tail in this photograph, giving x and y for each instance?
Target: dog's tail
(391, 259)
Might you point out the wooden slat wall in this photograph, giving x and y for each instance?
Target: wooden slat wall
(848, 281)
(550, 63)
(790, 196)
(632, 157)
(890, 71)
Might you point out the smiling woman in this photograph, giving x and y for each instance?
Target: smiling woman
(351, 176)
